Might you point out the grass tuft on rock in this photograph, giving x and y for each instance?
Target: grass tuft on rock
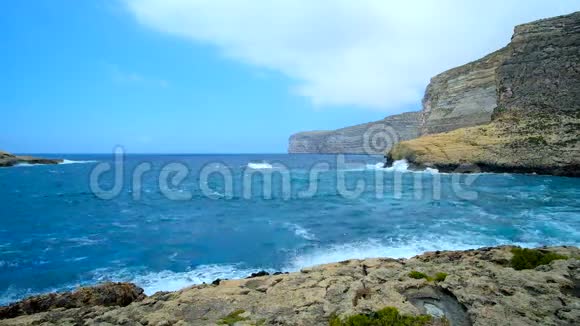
(418, 275)
(439, 277)
(524, 258)
(233, 318)
(388, 316)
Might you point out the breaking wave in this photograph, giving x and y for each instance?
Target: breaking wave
(76, 162)
(300, 231)
(166, 280)
(260, 166)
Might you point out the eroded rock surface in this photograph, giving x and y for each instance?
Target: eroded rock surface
(480, 289)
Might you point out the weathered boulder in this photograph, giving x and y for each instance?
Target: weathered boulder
(479, 288)
(106, 294)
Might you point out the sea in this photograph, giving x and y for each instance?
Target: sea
(166, 222)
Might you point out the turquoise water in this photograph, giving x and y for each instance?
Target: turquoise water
(56, 233)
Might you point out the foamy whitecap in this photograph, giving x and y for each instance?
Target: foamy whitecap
(374, 248)
(300, 231)
(64, 162)
(403, 166)
(259, 166)
(153, 282)
(25, 165)
(399, 166)
(76, 162)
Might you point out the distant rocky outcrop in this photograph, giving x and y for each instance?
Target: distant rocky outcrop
(7, 159)
(359, 139)
(488, 286)
(536, 124)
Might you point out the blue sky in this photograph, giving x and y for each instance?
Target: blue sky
(196, 77)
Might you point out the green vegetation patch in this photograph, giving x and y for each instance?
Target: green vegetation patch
(531, 258)
(233, 318)
(388, 316)
(418, 275)
(439, 277)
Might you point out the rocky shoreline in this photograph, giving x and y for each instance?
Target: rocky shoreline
(488, 286)
(8, 160)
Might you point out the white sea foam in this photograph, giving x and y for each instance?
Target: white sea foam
(172, 281)
(64, 162)
(76, 162)
(300, 231)
(399, 166)
(259, 166)
(19, 165)
(374, 248)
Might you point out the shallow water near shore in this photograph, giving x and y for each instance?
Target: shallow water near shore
(56, 234)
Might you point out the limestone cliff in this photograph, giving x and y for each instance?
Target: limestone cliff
(536, 125)
(369, 138)
(481, 287)
(7, 159)
(462, 97)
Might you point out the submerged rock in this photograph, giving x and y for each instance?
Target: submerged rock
(480, 289)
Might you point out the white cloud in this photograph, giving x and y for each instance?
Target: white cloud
(368, 53)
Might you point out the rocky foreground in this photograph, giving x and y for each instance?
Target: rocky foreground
(484, 287)
(7, 159)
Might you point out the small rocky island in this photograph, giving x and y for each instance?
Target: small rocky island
(7, 160)
(485, 287)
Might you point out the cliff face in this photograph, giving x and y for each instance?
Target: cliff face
(462, 97)
(368, 138)
(536, 125)
(475, 287)
(527, 95)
